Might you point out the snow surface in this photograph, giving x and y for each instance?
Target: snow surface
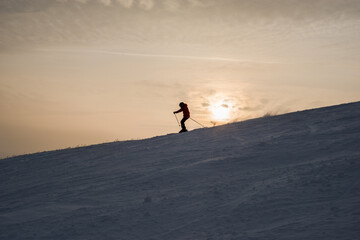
(294, 176)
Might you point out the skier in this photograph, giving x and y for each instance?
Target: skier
(186, 115)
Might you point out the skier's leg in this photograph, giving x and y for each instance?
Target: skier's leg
(183, 127)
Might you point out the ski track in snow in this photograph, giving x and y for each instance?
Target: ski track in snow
(294, 176)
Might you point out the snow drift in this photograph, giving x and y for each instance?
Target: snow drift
(294, 176)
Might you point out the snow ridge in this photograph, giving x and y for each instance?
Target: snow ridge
(294, 176)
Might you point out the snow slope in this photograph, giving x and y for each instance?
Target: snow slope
(294, 176)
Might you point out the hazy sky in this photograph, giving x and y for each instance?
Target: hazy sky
(77, 72)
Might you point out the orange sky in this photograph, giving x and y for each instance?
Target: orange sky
(79, 72)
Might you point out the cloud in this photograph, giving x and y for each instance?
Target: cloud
(234, 27)
(126, 3)
(205, 104)
(146, 4)
(170, 56)
(82, 1)
(171, 5)
(21, 6)
(105, 2)
(78, 1)
(200, 3)
(292, 9)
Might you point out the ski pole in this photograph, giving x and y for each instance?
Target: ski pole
(197, 122)
(177, 119)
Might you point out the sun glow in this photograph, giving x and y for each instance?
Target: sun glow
(220, 112)
(220, 107)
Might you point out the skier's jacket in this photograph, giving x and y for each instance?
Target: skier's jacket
(185, 111)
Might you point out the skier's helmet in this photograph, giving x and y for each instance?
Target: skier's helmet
(181, 104)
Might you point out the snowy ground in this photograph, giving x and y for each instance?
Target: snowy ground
(295, 176)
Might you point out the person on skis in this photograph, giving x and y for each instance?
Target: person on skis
(186, 115)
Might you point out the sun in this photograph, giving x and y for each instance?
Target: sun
(221, 108)
(220, 112)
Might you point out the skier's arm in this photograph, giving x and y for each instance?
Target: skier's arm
(180, 110)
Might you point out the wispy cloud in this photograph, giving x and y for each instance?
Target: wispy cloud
(227, 26)
(199, 3)
(82, 1)
(294, 9)
(171, 5)
(189, 57)
(126, 3)
(146, 4)
(106, 2)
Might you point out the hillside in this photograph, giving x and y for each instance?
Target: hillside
(294, 176)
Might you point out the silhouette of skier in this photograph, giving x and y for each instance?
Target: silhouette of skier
(186, 115)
